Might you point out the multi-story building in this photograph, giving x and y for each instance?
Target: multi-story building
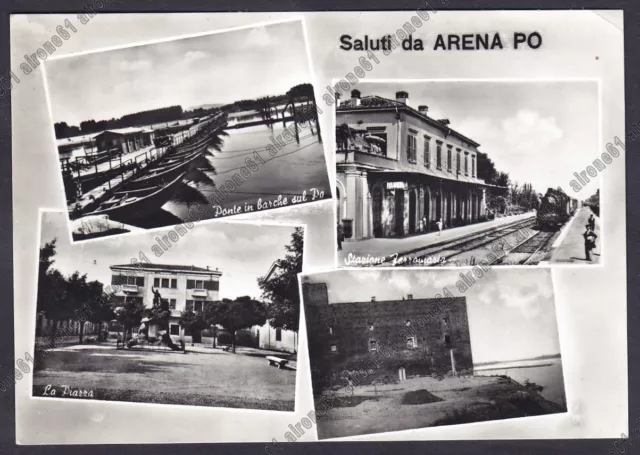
(181, 286)
(268, 337)
(424, 335)
(400, 171)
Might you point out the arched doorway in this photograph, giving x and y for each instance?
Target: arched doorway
(399, 212)
(427, 210)
(438, 214)
(412, 211)
(338, 205)
(377, 211)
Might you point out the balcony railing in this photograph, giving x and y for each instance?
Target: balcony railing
(130, 288)
(199, 292)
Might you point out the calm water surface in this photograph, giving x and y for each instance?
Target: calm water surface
(296, 168)
(547, 373)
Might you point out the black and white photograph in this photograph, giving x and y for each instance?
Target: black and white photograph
(455, 173)
(401, 349)
(168, 318)
(187, 129)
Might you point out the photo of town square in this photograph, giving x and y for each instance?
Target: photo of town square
(454, 173)
(238, 133)
(171, 317)
(399, 349)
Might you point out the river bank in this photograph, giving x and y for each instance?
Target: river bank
(425, 402)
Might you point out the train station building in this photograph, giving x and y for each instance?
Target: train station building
(400, 171)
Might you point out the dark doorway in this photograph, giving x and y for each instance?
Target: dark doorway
(399, 213)
(412, 211)
(427, 211)
(438, 206)
(449, 208)
(377, 212)
(338, 205)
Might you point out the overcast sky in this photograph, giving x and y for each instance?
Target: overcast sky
(218, 68)
(511, 311)
(538, 132)
(242, 252)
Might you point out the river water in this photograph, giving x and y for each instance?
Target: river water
(546, 373)
(296, 174)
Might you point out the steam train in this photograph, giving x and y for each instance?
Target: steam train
(556, 208)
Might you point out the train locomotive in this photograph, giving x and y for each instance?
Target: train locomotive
(556, 208)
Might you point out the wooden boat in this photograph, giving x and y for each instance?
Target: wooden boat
(131, 204)
(165, 171)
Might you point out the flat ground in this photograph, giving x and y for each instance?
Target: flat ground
(208, 377)
(463, 400)
(570, 245)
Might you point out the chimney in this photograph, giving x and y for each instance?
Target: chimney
(423, 109)
(373, 299)
(409, 296)
(444, 121)
(401, 97)
(355, 98)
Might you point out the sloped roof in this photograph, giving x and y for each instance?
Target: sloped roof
(379, 102)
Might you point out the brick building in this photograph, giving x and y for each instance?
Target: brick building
(423, 335)
(399, 170)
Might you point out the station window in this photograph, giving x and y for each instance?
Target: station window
(449, 158)
(189, 305)
(373, 345)
(411, 148)
(458, 161)
(198, 305)
(427, 151)
(439, 155)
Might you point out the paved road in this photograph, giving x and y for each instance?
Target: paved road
(570, 245)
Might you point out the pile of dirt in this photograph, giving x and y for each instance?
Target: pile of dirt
(421, 396)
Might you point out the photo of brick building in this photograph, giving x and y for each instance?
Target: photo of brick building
(432, 334)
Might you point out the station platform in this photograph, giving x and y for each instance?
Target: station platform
(384, 247)
(569, 246)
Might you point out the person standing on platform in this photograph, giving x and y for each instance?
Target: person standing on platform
(592, 222)
(439, 224)
(589, 242)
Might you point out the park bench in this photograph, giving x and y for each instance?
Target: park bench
(277, 361)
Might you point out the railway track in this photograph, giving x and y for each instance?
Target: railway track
(529, 251)
(447, 250)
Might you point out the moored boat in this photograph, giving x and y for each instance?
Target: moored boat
(131, 204)
(165, 171)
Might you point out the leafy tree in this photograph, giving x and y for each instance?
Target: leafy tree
(486, 169)
(281, 290)
(502, 179)
(129, 313)
(241, 313)
(193, 322)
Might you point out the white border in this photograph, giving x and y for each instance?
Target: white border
(544, 264)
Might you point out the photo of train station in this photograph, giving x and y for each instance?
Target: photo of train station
(401, 172)
(415, 187)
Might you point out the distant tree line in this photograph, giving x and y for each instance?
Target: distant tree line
(161, 115)
(511, 197)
